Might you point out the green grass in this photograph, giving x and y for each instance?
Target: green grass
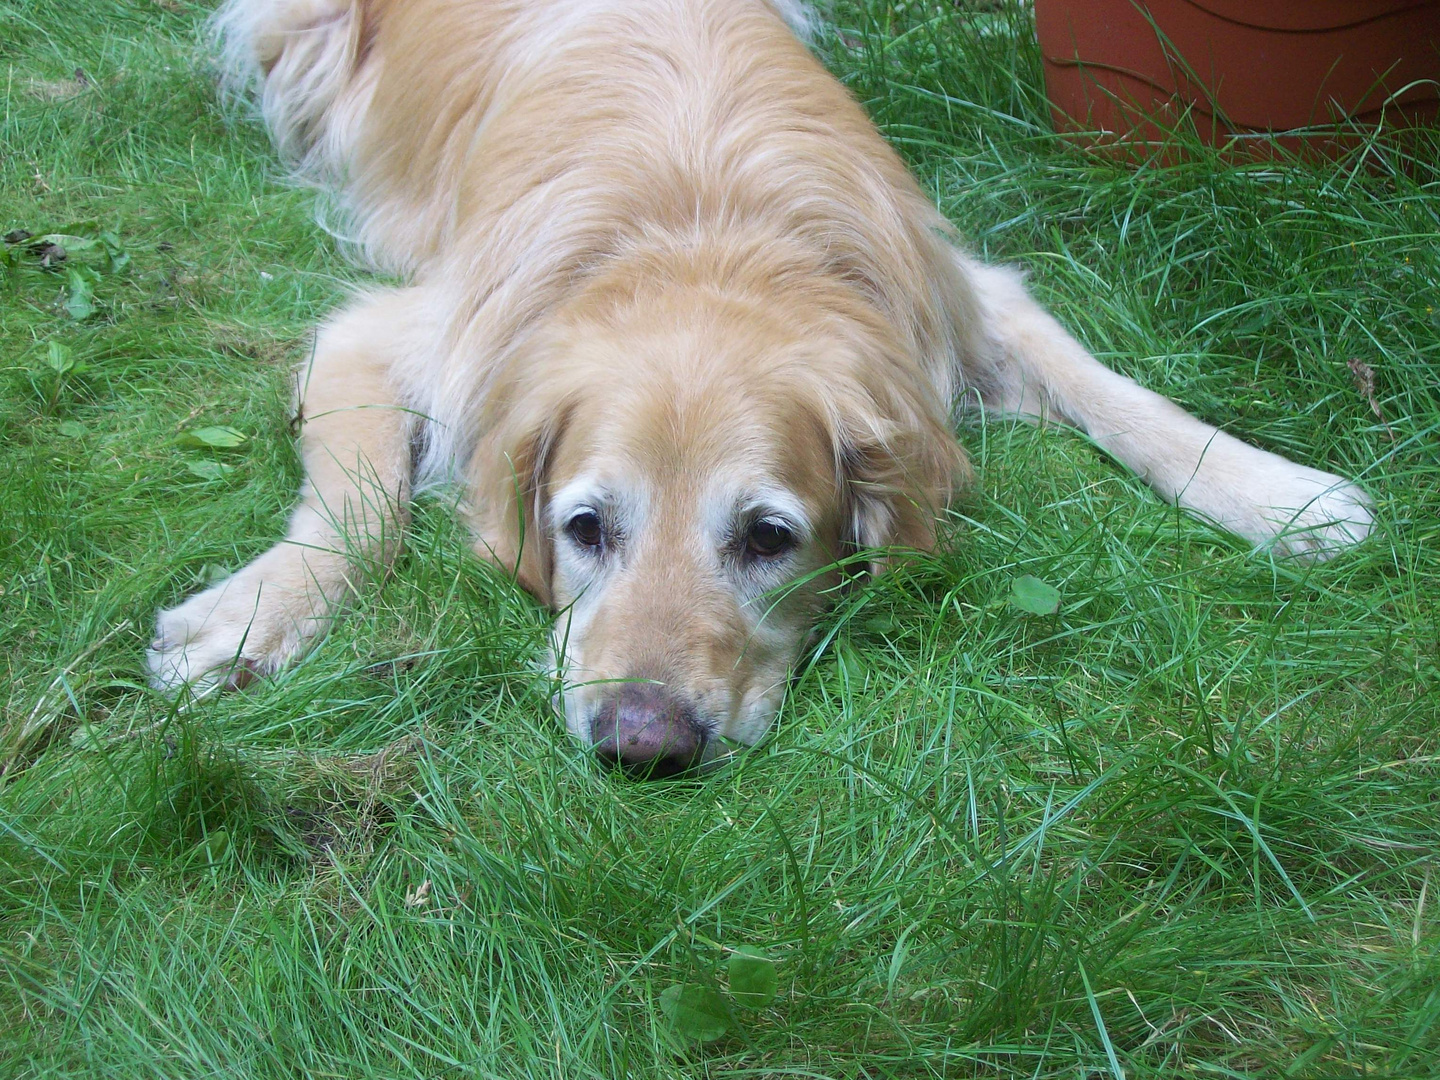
(1187, 826)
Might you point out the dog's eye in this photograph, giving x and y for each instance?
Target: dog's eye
(767, 539)
(585, 529)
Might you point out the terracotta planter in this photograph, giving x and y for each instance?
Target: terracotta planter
(1131, 68)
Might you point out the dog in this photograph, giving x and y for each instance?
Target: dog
(684, 327)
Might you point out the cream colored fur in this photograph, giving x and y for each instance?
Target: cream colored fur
(664, 271)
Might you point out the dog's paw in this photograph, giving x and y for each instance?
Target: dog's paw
(223, 638)
(1320, 515)
(1297, 512)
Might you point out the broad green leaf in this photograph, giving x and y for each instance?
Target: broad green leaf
(1029, 593)
(211, 574)
(213, 850)
(222, 437)
(209, 470)
(852, 666)
(79, 297)
(117, 258)
(694, 1012)
(69, 241)
(59, 358)
(72, 429)
(880, 623)
(753, 979)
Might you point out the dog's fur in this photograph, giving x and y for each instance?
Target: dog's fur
(667, 287)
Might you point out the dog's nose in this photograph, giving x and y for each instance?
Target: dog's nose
(648, 731)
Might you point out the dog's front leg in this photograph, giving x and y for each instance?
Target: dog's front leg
(355, 446)
(1041, 372)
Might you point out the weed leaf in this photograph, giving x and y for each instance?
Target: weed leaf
(68, 241)
(753, 980)
(224, 438)
(116, 257)
(209, 470)
(1029, 593)
(59, 358)
(211, 574)
(214, 849)
(79, 295)
(694, 1012)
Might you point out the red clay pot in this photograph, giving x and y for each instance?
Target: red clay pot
(1131, 68)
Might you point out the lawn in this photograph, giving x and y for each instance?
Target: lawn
(1185, 826)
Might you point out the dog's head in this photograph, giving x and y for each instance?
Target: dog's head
(678, 476)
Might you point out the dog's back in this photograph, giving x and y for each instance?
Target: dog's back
(515, 143)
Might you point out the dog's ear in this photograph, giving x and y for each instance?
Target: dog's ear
(508, 473)
(899, 464)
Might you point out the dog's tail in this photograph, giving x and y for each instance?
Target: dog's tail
(300, 59)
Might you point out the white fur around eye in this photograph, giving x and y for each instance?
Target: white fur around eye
(734, 512)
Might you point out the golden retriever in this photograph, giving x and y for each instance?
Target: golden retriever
(684, 326)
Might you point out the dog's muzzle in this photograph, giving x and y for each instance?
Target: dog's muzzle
(647, 731)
